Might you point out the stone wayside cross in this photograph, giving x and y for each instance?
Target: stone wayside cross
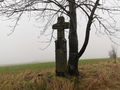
(60, 46)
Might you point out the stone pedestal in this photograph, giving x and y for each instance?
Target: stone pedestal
(61, 57)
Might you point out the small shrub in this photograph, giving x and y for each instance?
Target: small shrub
(113, 54)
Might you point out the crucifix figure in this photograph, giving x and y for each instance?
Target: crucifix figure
(60, 46)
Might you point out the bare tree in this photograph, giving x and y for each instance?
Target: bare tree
(113, 54)
(99, 13)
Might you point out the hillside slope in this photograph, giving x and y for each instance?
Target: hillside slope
(97, 76)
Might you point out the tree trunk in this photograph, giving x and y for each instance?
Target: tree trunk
(88, 28)
(84, 45)
(73, 40)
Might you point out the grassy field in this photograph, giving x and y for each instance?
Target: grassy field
(23, 67)
(41, 66)
(96, 74)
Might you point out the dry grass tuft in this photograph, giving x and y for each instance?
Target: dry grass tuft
(101, 76)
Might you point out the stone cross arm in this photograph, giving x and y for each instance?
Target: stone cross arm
(61, 24)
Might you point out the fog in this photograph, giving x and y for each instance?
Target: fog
(26, 45)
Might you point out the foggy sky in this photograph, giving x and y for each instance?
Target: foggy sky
(25, 44)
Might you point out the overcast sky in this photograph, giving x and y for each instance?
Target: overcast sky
(26, 45)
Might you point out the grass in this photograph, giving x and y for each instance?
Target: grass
(92, 61)
(100, 76)
(41, 66)
(95, 75)
(23, 67)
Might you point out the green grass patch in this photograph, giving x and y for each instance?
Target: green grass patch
(92, 61)
(42, 66)
(32, 66)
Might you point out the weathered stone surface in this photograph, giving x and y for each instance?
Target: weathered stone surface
(61, 47)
